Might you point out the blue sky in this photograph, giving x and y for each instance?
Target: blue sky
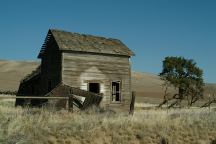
(153, 29)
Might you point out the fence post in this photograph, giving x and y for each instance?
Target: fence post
(70, 103)
(209, 98)
(132, 103)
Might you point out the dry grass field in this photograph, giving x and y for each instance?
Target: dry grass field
(46, 126)
(147, 126)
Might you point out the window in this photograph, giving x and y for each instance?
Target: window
(49, 85)
(116, 91)
(33, 89)
(94, 87)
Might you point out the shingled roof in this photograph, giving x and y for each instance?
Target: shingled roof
(69, 41)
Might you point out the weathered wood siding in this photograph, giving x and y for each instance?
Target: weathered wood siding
(50, 67)
(78, 69)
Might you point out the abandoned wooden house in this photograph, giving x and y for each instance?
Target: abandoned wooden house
(85, 62)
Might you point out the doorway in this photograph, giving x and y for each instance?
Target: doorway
(116, 92)
(94, 87)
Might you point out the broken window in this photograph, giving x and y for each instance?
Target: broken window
(116, 91)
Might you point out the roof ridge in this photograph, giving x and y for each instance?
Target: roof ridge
(72, 41)
(85, 34)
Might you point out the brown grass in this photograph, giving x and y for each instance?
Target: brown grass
(45, 126)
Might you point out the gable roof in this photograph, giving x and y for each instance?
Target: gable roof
(69, 41)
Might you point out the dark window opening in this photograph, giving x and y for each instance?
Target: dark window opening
(116, 92)
(49, 85)
(33, 90)
(94, 87)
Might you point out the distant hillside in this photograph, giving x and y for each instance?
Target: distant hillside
(149, 87)
(145, 84)
(11, 72)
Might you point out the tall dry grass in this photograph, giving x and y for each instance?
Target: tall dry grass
(46, 126)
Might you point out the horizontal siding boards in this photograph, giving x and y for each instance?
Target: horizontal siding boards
(80, 68)
(89, 77)
(115, 72)
(102, 67)
(117, 61)
(95, 57)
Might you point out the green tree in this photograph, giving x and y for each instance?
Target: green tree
(185, 76)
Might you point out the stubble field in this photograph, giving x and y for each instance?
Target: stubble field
(155, 126)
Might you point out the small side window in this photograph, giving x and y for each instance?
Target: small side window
(116, 91)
